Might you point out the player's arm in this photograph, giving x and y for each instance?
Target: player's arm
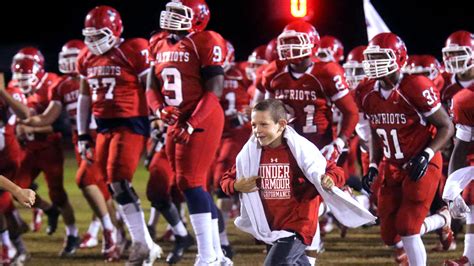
(375, 155)
(20, 110)
(444, 130)
(25, 196)
(459, 154)
(48, 117)
(350, 116)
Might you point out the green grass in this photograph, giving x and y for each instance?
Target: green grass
(360, 247)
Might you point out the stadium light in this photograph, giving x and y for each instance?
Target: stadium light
(298, 8)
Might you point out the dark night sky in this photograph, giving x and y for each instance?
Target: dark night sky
(423, 25)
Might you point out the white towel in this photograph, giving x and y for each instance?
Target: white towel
(457, 181)
(310, 160)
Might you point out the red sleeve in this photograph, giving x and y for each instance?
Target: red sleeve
(265, 75)
(208, 103)
(55, 93)
(333, 80)
(228, 180)
(80, 64)
(421, 93)
(336, 173)
(211, 48)
(350, 114)
(154, 99)
(137, 53)
(463, 107)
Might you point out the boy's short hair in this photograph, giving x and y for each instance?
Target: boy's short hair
(276, 108)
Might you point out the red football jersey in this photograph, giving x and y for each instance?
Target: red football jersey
(114, 79)
(178, 65)
(309, 97)
(66, 93)
(234, 98)
(399, 119)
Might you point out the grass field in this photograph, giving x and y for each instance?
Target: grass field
(360, 247)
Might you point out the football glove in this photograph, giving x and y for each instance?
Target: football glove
(85, 148)
(332, 151)
(458, 208)
(182, 133)
(417, 166)
(369, 178)
(170, 115)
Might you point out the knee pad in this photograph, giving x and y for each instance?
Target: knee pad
(123, 192)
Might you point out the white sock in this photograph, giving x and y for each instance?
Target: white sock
(94, 227)
(415, 250)
(469, 247)
(312, 260)
(216, 242)
(6, 239)
(432, 223)
(134, 218)
(469, 238)
(71, 230)
(223, 238)
(107, 222)
(202, 225)
(179, 229)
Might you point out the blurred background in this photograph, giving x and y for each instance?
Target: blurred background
(424, 25)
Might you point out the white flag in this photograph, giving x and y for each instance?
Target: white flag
(374, 22)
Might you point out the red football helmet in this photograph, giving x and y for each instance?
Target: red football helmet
(230, 56)
(385, 54)
(426, 65)
(353, 68)
(255, 60)
(28, 73)
(271, 53)
(102, 29)
(458, 53)
(299, 39)
(29, 52)
(68, 56)
(185, 15)
(330, 50)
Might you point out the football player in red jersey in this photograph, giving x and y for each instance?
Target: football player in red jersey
(426, 65)
(409, 125)
(309, 88)
(43, 152)
(88, 177)
(458, 56)
(330, 49)
(113, 71)
(184, 90)
(10, 159)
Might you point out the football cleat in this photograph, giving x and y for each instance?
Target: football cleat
(109, 248)
(181, 245)
(37, 220)
(88, 241)
(462, 261)
(70, 246)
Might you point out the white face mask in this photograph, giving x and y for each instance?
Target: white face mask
(302, 48)
(99, 41)
(377, 68)
(458, 59)
(176, 17)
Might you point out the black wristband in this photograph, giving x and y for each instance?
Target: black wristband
(84, 137)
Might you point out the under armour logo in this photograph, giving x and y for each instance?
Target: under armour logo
(274, 160)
